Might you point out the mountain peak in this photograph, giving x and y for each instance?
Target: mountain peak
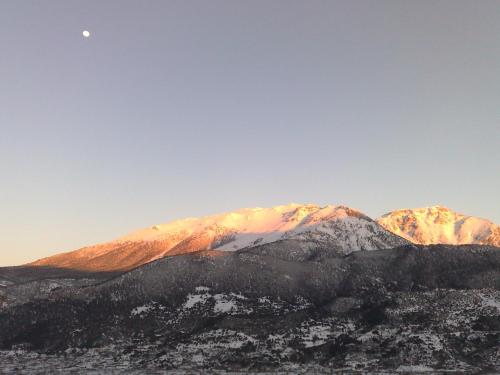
(438, 224)
(341, 228)
(428, 210)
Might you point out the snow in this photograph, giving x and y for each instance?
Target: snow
(141, 310)
(224, 303)
(490, 301)
(250, 226)
(244, 228)
(398, 347)
(340, 227)
(194, 299)
(145, 309)
(316, 335)
(439, 225)
(224, 306)
(198, 359)
(238, 296)
(430, 340)
(219, 338)
(414, 368)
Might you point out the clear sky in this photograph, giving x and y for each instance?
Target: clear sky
(186, 108)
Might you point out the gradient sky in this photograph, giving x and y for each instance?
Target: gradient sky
(186, 108)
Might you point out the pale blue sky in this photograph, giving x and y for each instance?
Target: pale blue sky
(186, 108)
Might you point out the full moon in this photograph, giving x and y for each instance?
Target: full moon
(86, 33)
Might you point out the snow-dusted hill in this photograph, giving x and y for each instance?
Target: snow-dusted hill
(339, 227)
(440, 225)
(414, 308)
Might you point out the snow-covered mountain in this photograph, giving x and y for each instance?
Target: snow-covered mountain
(440, 225)
(289, 297)
(341, 228)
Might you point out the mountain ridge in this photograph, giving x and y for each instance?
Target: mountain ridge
(260, 309)
(310, 298)
(341, 228)
(440, 225)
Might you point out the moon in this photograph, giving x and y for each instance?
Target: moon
(86, 33)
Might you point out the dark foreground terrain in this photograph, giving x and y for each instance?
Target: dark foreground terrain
(285, 306)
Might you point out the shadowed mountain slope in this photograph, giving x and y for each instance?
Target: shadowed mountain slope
(278, 304)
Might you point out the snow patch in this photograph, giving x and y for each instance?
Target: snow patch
(490, 301)
(145, 309)
(194, 299)
(414, 368)
(224, 305)
(140, 310)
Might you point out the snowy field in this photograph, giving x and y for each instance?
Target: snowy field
(105, 363)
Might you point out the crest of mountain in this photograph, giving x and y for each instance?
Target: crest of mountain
(340, 228)
(440, 225)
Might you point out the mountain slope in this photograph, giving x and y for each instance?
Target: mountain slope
(256, 309)
(433, 225)
(341, 228)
